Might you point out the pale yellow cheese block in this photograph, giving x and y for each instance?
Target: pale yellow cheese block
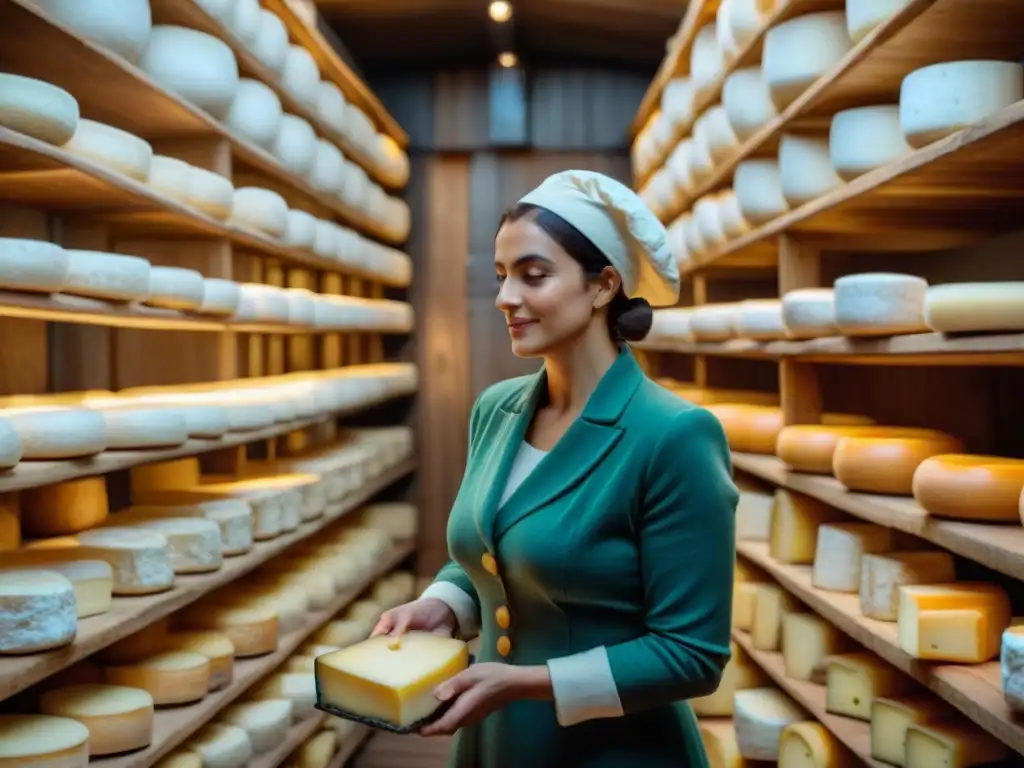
(961, 622)
(890, 719)
(855, 680)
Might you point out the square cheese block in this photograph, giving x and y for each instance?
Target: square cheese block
(388, 681)
(794, 526)
(961, 622)
(807, 640)
(840, 550)
(771, 604)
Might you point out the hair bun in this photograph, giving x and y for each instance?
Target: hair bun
(634, 320)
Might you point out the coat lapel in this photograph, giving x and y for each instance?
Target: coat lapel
(582, 448)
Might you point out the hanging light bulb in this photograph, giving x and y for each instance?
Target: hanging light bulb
(507, 59)
(500, 11)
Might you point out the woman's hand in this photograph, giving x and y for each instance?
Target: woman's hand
(483, 688)
(427, 614)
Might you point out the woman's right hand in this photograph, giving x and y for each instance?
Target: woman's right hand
(427, 614)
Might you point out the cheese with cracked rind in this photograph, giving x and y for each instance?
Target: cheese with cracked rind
(194, 542)
(37, 611)
(119, 718)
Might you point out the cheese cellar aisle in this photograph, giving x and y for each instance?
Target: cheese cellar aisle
(206, 449)
(841, 186)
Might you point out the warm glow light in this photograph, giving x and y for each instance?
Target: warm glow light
(508, 59)
(500, 11)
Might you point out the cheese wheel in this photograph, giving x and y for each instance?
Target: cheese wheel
(42, 740)
(175, 288)
(746, 17)
(112, 148)
(92, 580)
(107, 275)
(975, 307)
(298, 688)
(755, 428)
(233, 517)
(714, 322)
(253, 631)
(862, 16)
(805, 169)
(140, 559)
(171, 677)
(865, 138)
(722, 139)
(300, 76)
(169, 176)
(119, 719)
(215, 646)
(37, 109)
(120, 26)
(31, 265)
(194, 543)
(723, 32)
(325, 170)
(747, 101)
(220, 297)
(810, 447)
(760, 320)
(244, 21)
(255, 112)
(130, 427)
(266, 722)
(809, 313)
(270, 43)
(211, 193)
(300, 229)
(52, 432)
(705, 212)
(976, 488)
(677, 101)
(758, 185)
(317, 751)
(960, 622)
(260, 209)
(941, 99)
(295, 144)
(760, 715)
(37, 611)
(702, 165)
(707, 59)
(222, 746)
(887, 464)
(799, 51)
(880, 304)
(331, 106)
(63, 508)
(198, 67)
(678, 167)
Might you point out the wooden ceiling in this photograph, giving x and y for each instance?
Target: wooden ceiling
(410, 34)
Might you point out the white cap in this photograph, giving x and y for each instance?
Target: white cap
(622, 227)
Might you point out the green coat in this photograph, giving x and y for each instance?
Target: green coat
(623, 537)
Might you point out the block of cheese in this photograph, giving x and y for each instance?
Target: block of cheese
(744, 602)
(215, 646)
(975, 307)
(739, 675)
(799, 51)
(140, 559)
(771, 605)
(253, 631)
(880, 304)
(959, 744)
(795, 521)
(809, 313)
(261, 209)
(890, 719)
(222, 746)
(807, 639)
(1011, 662)
(51, 432)
(175, 288)
(961, 622)
(811, 447)
(760, 320)
(856, 679)
(266, 722)
(394, 683)
(30, 740)
(299, 689)
(759, 716)
(198, 67)
(119, 719)
(809, 744)
(719, 737)
(865, 138)
(37, 611)
(887, 464)
(37, 109)
(754, 516)
(882, 575)
(107, 275)
(317, 751)
(941, 99)
(233, 518)
(805, 168)
(112, 148)
(840, 549)
(171, 677)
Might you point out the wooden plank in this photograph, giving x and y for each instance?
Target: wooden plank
(352, 744)
(297, 736)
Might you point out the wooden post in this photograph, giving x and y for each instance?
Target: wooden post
(799, 387)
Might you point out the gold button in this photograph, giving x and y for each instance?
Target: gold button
(503, 617)
(489, 563)
(504, 645)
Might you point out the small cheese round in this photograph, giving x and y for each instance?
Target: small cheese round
(114, 276)
(171, 677)
(805, 169)
(220, 297)
(722, 139)
(746, 18)
(270, 43)
(170, 176)
(677, 101)
(198, 67)
(253, 631)
(748, 103)
(300, 229)
(37, 611)
(133, 427)
(325, 171)
(880, 304)
(211, 193)
(705, 212)
(119, 719)
(799, 51)
(760, 320)
(300, 76)
(175, 288)
(255, 112)
(862, 16)
(331, 106)
(729, 213)
(93, 581)
(244, 21)
(809, 313)
(758, 186)
(194, 542)
(865, 138)
(120, 26)
(295, 144)
(37, 109)
(975, 307)
(51, 433)
(29, 740)
(887, 465)
(261, 209)
(222, 746)
(215, 646)
(141, 559)
(111, 147)
(982, 489)
(810, 447)
(267, 722)
(32, 265)
(941, 99)
(707, 59)
(714, 322)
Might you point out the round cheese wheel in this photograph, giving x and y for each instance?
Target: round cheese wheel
(170, 677)
(107, 275)
(37, 109)
(887, 464)
(198, 67)
(356, 186)
(262, 304)
(723, 31)
(676, 241)
(964, 487)
(755, 428)
(255, 112)
(39, 612)
(69, 507)
(677, 101)
(295, 144)
(760, 320)
(301, 306)
(220, 297)
(132, 428)
(941, 99)
(326, 238)
(175, 288)
(702, 165)
(799, 51)
(810, 447)
(119, 719)
(805, 168)
(121, 26)
(746, 17)
(300, 229)
(722, 139)
(267, 722)
(195, 542)
(244, 21)
(51, 432)
(270, 43)
(222, 746)
(331, 106)
(758, 185)
(730, 215)
(678, 167)
(261, 209)
(325, 170)
(809, 313)
(707, 59)
(705, 212)
(714, 322)
(30, 740)
(215, 646)
(32, 265)
(747, 102)
(862, 16)
(865, 138)
(170, 176)
(975, 307)
(880, 304)
(111, 147)
(671, 325)
(211, 193)
(300, 76)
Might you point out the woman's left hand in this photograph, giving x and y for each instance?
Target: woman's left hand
(481, 689)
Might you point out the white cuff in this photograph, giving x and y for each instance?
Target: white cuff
(462, 606)
(584, 687)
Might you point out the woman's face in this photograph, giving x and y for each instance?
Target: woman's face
(543, 292)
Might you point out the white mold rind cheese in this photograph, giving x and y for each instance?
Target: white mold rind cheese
(49, 433)
(32, 265)
(809, 313)
(760, 715)
(198, 67)
(975, 307)
(261, 209)
(747, 101)
(211, 193)
(880, 304)
(111, 147)
(758, 186)
(120, 26)
(195, 543)
(141, 560)
(175, 288)
(865, 138)
(799, 51)
(37, 611)
(107, 275)
(862, 16)
(220, 297)
(38, 109)
(805, 168)
(295, 144)
(255, 112)
(270, 43)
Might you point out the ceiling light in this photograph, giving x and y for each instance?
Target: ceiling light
(500, 11)
(508, 59)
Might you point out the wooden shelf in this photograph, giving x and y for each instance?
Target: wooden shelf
(999, 547)
(174, 726)
(855, 735)
(104, 83)
(974, 689)
(297, 736)
(130, 614)
(351, 746)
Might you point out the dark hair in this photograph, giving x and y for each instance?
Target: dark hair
(628, 319)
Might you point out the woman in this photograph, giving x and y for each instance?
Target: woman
(592, 537)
